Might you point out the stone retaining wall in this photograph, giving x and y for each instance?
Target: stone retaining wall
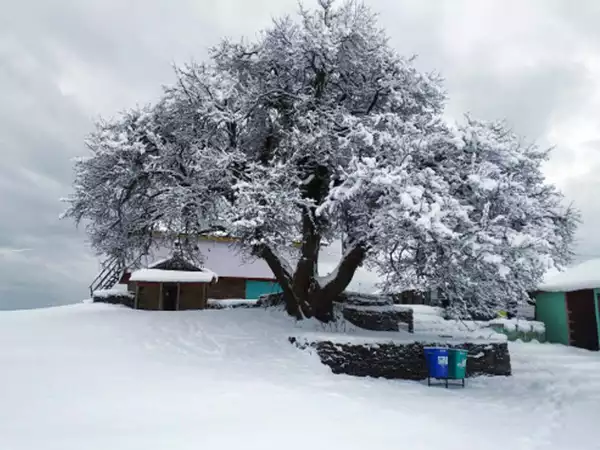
(270, 300)
(366, 311)
(360, 299)
(126, 300)
(223, 304)
(404, 361)
(378, 318)
(374, 312)
(406, 317)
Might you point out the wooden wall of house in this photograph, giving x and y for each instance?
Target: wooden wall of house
(228, 288)
(148, 296)
(192, 296)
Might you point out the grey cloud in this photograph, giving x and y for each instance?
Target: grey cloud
(529, 99)
(584, 191)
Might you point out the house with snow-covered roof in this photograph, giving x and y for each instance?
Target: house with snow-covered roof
(568, 303)
(237, 276)
(171, 285)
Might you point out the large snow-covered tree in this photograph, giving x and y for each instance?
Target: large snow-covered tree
(319, 131)
(480, 225)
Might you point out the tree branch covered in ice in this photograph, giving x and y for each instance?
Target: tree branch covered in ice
(319, 131)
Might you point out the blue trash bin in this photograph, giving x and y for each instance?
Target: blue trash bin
(437, 363)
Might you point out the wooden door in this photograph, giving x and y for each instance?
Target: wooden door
(169, 293)
(581, 312)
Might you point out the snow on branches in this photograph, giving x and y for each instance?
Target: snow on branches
(318, 131)
(469, 215)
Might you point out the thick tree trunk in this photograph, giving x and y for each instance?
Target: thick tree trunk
(304, 279)
(303, 295)
(325, 296)
(283, 276)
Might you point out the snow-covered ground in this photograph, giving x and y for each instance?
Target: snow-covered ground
(102, 377)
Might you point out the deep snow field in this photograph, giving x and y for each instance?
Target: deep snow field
(101, 377)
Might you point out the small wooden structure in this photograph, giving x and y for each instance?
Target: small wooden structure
(171, 285)
(569, 305)
(240, 276)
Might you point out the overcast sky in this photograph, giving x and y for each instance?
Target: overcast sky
(64, 63)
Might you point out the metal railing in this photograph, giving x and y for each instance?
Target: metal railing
(112, 270)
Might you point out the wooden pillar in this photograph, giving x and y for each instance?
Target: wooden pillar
(137, 294)
(160, 297)
(178, 295)
(597, 310)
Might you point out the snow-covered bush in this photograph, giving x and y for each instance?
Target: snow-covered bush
(520, 329)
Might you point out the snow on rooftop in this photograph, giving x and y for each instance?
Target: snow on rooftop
(224, 258)
(173, 276)
(228, 260)
(582, 276)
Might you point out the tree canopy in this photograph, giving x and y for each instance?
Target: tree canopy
(319, 131)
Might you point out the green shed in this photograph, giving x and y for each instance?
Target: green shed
(568, 303)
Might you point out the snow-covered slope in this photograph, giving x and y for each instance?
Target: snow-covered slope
(100, 377)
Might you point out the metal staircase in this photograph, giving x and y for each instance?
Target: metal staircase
(111, 273)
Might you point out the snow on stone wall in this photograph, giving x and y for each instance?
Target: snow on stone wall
(231, 303)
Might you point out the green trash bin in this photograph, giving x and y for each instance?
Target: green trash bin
(457, 364)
